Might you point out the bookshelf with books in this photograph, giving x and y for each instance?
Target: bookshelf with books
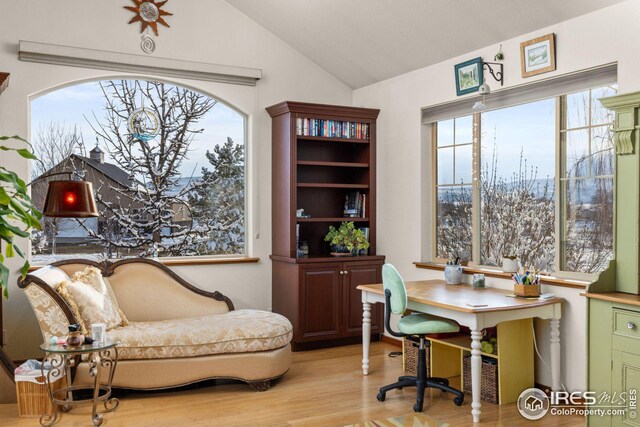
(323, 173)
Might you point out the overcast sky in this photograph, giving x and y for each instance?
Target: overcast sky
(70, 105)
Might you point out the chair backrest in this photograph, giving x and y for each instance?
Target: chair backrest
(392, 281)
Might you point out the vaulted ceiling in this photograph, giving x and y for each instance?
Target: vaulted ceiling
(365, 41)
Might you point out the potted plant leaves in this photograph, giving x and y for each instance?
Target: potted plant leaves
(18, 215)
(346, 240)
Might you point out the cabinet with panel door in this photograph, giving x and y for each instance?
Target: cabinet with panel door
(322, 302)
(614, 357)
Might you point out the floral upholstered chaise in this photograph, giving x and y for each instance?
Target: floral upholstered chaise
(170, 332)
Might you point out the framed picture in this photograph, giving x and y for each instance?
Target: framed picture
(538, 56)
(468, 76)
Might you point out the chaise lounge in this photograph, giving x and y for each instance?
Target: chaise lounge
(176, 335)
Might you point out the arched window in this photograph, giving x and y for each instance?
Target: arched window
(167, 164)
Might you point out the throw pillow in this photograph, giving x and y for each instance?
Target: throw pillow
(93, 277)
(51, 275)
(89, 305)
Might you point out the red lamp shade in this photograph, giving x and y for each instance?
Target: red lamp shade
(70, 199)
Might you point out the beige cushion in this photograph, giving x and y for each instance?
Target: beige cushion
(238, 331)
(93, 277)
(89, 305)
(51, 275)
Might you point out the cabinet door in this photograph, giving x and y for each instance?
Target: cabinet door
(626, 379)
(320, 301)
(359, 273)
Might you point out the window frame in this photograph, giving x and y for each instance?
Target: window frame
(247, 255)
(559, 193)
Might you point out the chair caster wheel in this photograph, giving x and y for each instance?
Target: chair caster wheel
(459, 400)
(417, 408)
(381, 396)
(400, 388)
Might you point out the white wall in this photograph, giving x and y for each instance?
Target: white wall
(201, 30)
(602, 37)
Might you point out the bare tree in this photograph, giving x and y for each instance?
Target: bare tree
(517, 216)
(55, 143)
(155, 191)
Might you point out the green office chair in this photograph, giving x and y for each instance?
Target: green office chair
(419, 324)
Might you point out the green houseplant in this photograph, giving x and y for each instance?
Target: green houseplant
(18, 215)
(347, 239)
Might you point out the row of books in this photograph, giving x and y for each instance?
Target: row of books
(355, 204)
(365, 230)
(331, 128)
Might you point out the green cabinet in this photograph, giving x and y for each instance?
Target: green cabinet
(614, 298)
(626, 374)
(614, 361)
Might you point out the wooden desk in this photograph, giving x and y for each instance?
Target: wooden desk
(451, 301)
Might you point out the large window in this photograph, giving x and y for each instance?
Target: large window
(167, 165)
(497, 180)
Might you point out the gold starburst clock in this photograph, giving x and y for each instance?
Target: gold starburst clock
(149, 13)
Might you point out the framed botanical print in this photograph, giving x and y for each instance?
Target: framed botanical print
(468, 76)
(538, 55)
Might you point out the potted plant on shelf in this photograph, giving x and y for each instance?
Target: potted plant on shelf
(347, 240)
(509, 263)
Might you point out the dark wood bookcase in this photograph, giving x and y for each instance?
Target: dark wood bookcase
(320, 154)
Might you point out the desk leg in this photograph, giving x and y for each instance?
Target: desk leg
(554, 349)
(476, 369)
(366, 335)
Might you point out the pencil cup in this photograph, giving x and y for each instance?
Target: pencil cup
(453, 274)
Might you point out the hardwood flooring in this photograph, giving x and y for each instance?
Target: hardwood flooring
(322, 388)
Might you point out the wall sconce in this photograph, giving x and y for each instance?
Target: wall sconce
(484, 88)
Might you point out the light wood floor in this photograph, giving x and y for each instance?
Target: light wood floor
(322, 388)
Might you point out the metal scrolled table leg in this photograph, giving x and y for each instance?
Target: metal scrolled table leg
(58, 363)
(111, 403)
(95, 368)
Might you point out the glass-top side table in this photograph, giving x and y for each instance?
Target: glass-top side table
(99, 356)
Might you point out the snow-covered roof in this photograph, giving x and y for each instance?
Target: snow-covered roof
(108, 169)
